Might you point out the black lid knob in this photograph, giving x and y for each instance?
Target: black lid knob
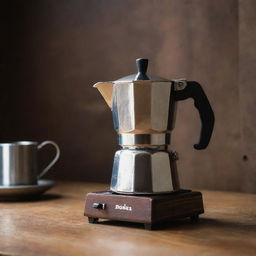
(142, 65)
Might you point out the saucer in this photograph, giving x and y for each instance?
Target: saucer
(21, 192)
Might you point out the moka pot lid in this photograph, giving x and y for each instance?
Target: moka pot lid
(142, 65)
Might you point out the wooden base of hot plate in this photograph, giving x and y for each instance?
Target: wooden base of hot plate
(151, 210)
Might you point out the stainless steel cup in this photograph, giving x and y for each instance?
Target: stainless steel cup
(18, 162)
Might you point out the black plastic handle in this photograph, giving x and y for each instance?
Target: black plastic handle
(195, 91)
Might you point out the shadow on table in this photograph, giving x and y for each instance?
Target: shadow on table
(186, 224)
(228, 225)
(181, 223)
(43, 197)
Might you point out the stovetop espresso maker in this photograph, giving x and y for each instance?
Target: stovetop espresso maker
(145, 185)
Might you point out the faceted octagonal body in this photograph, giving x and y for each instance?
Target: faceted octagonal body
(143, 107)
(142, 172)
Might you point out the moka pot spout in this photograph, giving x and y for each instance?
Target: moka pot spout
(106, 90)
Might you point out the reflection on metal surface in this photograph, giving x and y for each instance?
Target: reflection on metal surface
(161, 172)
(106, 90)
(20, 192)
(160, 98)
(156, 139)
(180, 84)
(124, 163)
(142, 106)
(18, 163)
(142, 171)
(123, 107)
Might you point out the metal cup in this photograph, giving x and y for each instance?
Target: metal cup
(18, 162)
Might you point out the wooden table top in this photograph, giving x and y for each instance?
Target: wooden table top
(56, 226)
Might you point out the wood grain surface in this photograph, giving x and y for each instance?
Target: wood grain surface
(55, 225)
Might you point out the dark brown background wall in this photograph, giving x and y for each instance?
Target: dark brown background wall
(54, 51)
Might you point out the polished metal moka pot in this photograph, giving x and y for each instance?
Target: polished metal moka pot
(144, 109)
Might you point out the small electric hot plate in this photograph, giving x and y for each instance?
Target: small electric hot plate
(151, 210)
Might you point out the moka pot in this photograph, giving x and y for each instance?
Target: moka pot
(144, 109)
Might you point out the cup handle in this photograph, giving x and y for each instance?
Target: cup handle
(49, 166)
